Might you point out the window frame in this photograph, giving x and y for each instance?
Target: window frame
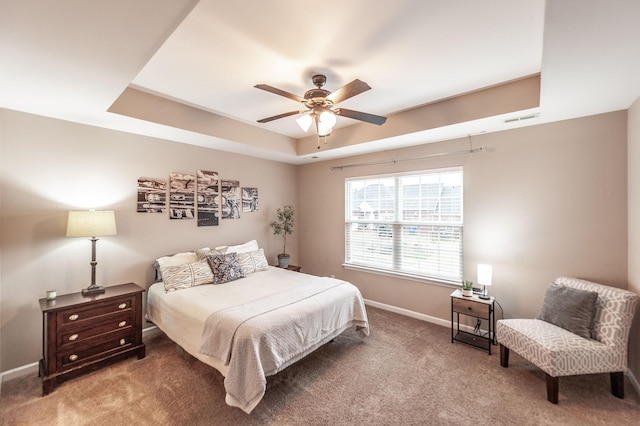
(426, 229)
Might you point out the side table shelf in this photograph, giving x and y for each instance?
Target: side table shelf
(294, 268)
(472, 307)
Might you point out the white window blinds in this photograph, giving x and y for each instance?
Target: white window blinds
(406, 223)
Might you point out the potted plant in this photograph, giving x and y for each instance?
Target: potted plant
(467, 288)
(283, 225)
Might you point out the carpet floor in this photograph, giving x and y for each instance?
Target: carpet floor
(406, 372)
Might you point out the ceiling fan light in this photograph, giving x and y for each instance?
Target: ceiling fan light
(304, 121)
(326, 121)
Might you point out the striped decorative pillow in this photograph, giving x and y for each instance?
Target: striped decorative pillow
(253, 262)
(173, 260)
(186, 275)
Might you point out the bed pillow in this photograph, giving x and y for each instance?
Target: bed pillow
(177, 259)
(204, 252)
(569, 308)
(253, 262)
(186, 275)
(173, 260)
(247, 247)
(225, 267)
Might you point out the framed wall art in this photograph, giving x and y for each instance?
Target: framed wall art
(181, 195)
(230, 199)
(152, 195)
(208, 194)
(249, 200)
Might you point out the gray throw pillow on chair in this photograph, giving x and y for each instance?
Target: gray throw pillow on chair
(569, 308)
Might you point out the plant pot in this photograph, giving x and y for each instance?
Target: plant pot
(283, 260)
(467, 293)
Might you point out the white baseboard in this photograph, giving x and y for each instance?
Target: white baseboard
(418, 315)
(24, 370)
(408, 313)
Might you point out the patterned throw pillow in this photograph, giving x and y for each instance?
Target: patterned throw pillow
(253, 262)
(186, 275)
(225, 267)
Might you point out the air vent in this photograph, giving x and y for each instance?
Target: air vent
(524, 117)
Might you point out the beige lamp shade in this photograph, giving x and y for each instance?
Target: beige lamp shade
(91, 223)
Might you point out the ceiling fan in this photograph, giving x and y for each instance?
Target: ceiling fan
(320, 103)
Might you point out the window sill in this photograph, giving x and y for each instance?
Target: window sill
(432, 281)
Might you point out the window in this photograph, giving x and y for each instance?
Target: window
(409, 224)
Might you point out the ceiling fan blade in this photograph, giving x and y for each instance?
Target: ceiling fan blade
(348, 91)
(279, 92)
(275, 117)
(362, 116)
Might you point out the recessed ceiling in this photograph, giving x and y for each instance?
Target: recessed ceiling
(410, 52)
(73, 61)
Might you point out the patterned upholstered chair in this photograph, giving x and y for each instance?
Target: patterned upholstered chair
(559, 352)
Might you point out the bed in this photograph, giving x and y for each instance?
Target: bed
(255, 326)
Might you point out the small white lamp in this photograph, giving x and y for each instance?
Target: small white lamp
(485, 273)
(92, 224)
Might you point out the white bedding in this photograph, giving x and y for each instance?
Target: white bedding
(316, 310)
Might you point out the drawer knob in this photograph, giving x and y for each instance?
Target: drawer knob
(469, 307)
(122, 341)
(122, 324)
(122, 306)
(73, 357)
(73, 337)
(73, 317)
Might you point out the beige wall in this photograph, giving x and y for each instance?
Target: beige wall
(549, 200)
(634, 230)
(50, 166)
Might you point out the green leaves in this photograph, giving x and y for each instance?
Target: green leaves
(283, 225)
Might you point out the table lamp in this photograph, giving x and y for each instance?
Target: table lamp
(484, 279)
(91, 223)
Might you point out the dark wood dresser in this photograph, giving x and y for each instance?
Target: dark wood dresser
(84, 333)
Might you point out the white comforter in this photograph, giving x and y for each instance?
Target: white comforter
(254, 327)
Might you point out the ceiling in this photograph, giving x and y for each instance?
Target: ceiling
(74, 60)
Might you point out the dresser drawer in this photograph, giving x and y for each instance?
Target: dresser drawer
(81, 313)
(98, 347)
(470, 307)
(83, 333)
(78, 332)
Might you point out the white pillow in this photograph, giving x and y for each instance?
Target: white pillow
(173, 260)
(247, 247)
(206, 251)
(186, 275)
(177, 259)
(253, 262)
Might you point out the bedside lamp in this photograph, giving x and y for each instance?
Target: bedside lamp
(484, 279)
(92, 224)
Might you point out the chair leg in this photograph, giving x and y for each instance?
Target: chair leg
(504, 356)
(552, 388)
(617, 384)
